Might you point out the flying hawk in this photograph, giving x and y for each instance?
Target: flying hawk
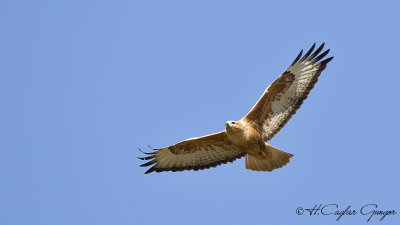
(248, 136)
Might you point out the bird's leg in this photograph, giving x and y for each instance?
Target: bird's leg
(264, 153)
(259, 155)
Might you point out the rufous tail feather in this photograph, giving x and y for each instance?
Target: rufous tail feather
(273, 159)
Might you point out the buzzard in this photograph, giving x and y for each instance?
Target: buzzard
(249, 135)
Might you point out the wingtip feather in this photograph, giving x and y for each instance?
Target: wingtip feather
(297, 58)
(152, 169)
(326, 61)
(317, 51)
(309, 52)
(321, 56)
(149, 163)
(147, 153)
(147, 158)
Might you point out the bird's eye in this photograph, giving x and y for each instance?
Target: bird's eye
(233, 122)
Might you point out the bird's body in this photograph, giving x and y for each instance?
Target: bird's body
(249, 135)
(246, 137)
(260, 156)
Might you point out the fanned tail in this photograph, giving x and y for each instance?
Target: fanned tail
(274, 159)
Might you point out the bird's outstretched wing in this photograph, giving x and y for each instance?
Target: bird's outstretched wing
(194, 154)
(285, 95)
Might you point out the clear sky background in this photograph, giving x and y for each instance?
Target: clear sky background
(83, 84)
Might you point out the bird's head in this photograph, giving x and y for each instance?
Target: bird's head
(232, 125)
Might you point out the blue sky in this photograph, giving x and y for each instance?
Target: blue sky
(85, 83)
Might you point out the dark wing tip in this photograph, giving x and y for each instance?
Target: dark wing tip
(314, 56)
(317, 51)
(152, 157)
(152, 169)
(147, 158)
(154, 148)
(297, 58)
(149, 163)
(147, 153)
(326, 61)
(321, 56)
(309, 52)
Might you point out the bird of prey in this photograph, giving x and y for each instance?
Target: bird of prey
(249, 135)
